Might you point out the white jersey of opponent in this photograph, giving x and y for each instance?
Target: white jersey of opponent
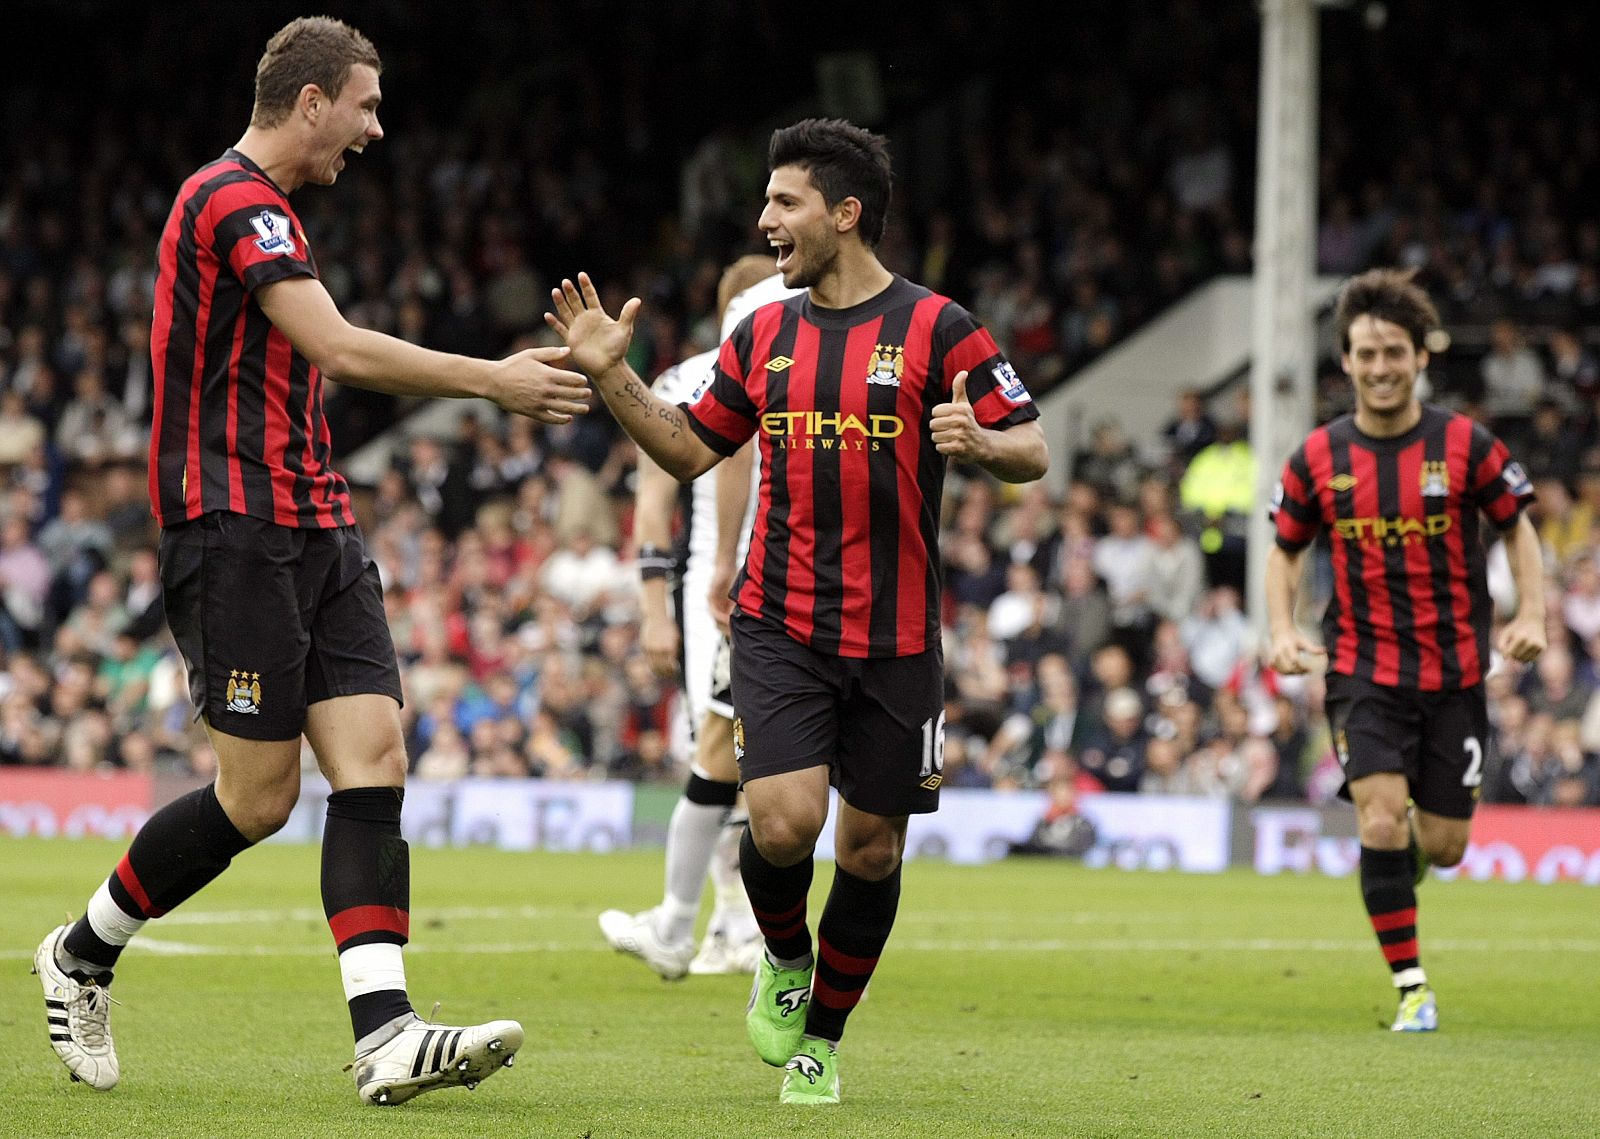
(685, 382)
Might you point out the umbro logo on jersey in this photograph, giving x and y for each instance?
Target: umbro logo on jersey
(275, 233)
(1342, 483)
(779, 363)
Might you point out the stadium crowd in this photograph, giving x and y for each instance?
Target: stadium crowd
(1095, 637)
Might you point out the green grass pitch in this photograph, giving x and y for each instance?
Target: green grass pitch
(1029, 999)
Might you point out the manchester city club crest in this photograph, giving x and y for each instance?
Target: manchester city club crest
(244, 692)
(738, 738)
(1435, 478)
(887, 365)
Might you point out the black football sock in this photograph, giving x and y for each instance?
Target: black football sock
(855, 926)
(366, 894)
(180, 848)
(1390, 894)
(778, 898)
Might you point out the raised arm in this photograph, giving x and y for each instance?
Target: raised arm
(1015, 454)
(527, 383)
(599, 345)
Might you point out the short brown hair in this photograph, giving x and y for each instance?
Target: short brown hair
(749, 270)
(1386, 294)
(312, 49)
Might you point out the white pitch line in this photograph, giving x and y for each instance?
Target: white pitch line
(161, 947)
(272, 917)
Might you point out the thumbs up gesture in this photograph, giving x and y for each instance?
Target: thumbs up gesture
(955, 429)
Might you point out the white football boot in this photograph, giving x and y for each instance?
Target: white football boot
(635, 934)
(719, 955)
(424, 1057)
(79, 1016)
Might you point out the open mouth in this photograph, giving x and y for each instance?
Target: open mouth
(785, 252)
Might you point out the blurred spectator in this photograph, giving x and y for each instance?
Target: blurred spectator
(94, 427)
(77, 547)
(1115, 755)
(24, 584)
(1062, 831)
(1216, 635)
(20, 431)
(1218, 491)
(1190, 430)
(1573, 368)
(1177, 570)
(1054, 723)
(1513, 378)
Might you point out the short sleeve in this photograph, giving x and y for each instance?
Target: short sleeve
(255, 234)
(1499, 485)
(1294, 513)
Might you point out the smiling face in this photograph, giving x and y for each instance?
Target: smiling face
(339, 125)
(800, 227)
(1383, 365)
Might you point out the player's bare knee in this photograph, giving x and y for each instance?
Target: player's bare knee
(784, 839)
(264, 813)
(873, 862)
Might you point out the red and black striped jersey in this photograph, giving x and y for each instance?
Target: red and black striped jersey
(1410, 605)
(844, 554)
(239, 424)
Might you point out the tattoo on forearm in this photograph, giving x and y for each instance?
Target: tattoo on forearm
(672, 416)
(639, 394)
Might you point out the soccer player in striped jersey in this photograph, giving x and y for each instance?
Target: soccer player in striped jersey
(858, 393)
(269, 591)
(1396, 490)
(705, 828)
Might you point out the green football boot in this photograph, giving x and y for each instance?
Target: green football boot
(812, 1074)
(775, 1018)
(1419, 1012)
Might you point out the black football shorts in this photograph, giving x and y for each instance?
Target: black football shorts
(1436, 740)
(877, 723)
(271, 619)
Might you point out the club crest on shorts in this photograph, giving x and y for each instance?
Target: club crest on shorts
(738, 739)
(887, 365)
(244, 692)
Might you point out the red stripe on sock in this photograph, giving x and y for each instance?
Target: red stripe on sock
(1400, 951)
(365, 919)
(780, 934)
(789, 915)
(130, 882)
(830, 997)
(845, 963)
(1383, 923)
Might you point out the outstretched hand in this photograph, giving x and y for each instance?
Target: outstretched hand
(532, 384)
(598, 341)
(956, 433)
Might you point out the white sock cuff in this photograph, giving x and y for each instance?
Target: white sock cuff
(1408, 977)
(372, 969)
(110, 922)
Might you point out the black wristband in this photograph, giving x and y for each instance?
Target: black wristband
(655, 563)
